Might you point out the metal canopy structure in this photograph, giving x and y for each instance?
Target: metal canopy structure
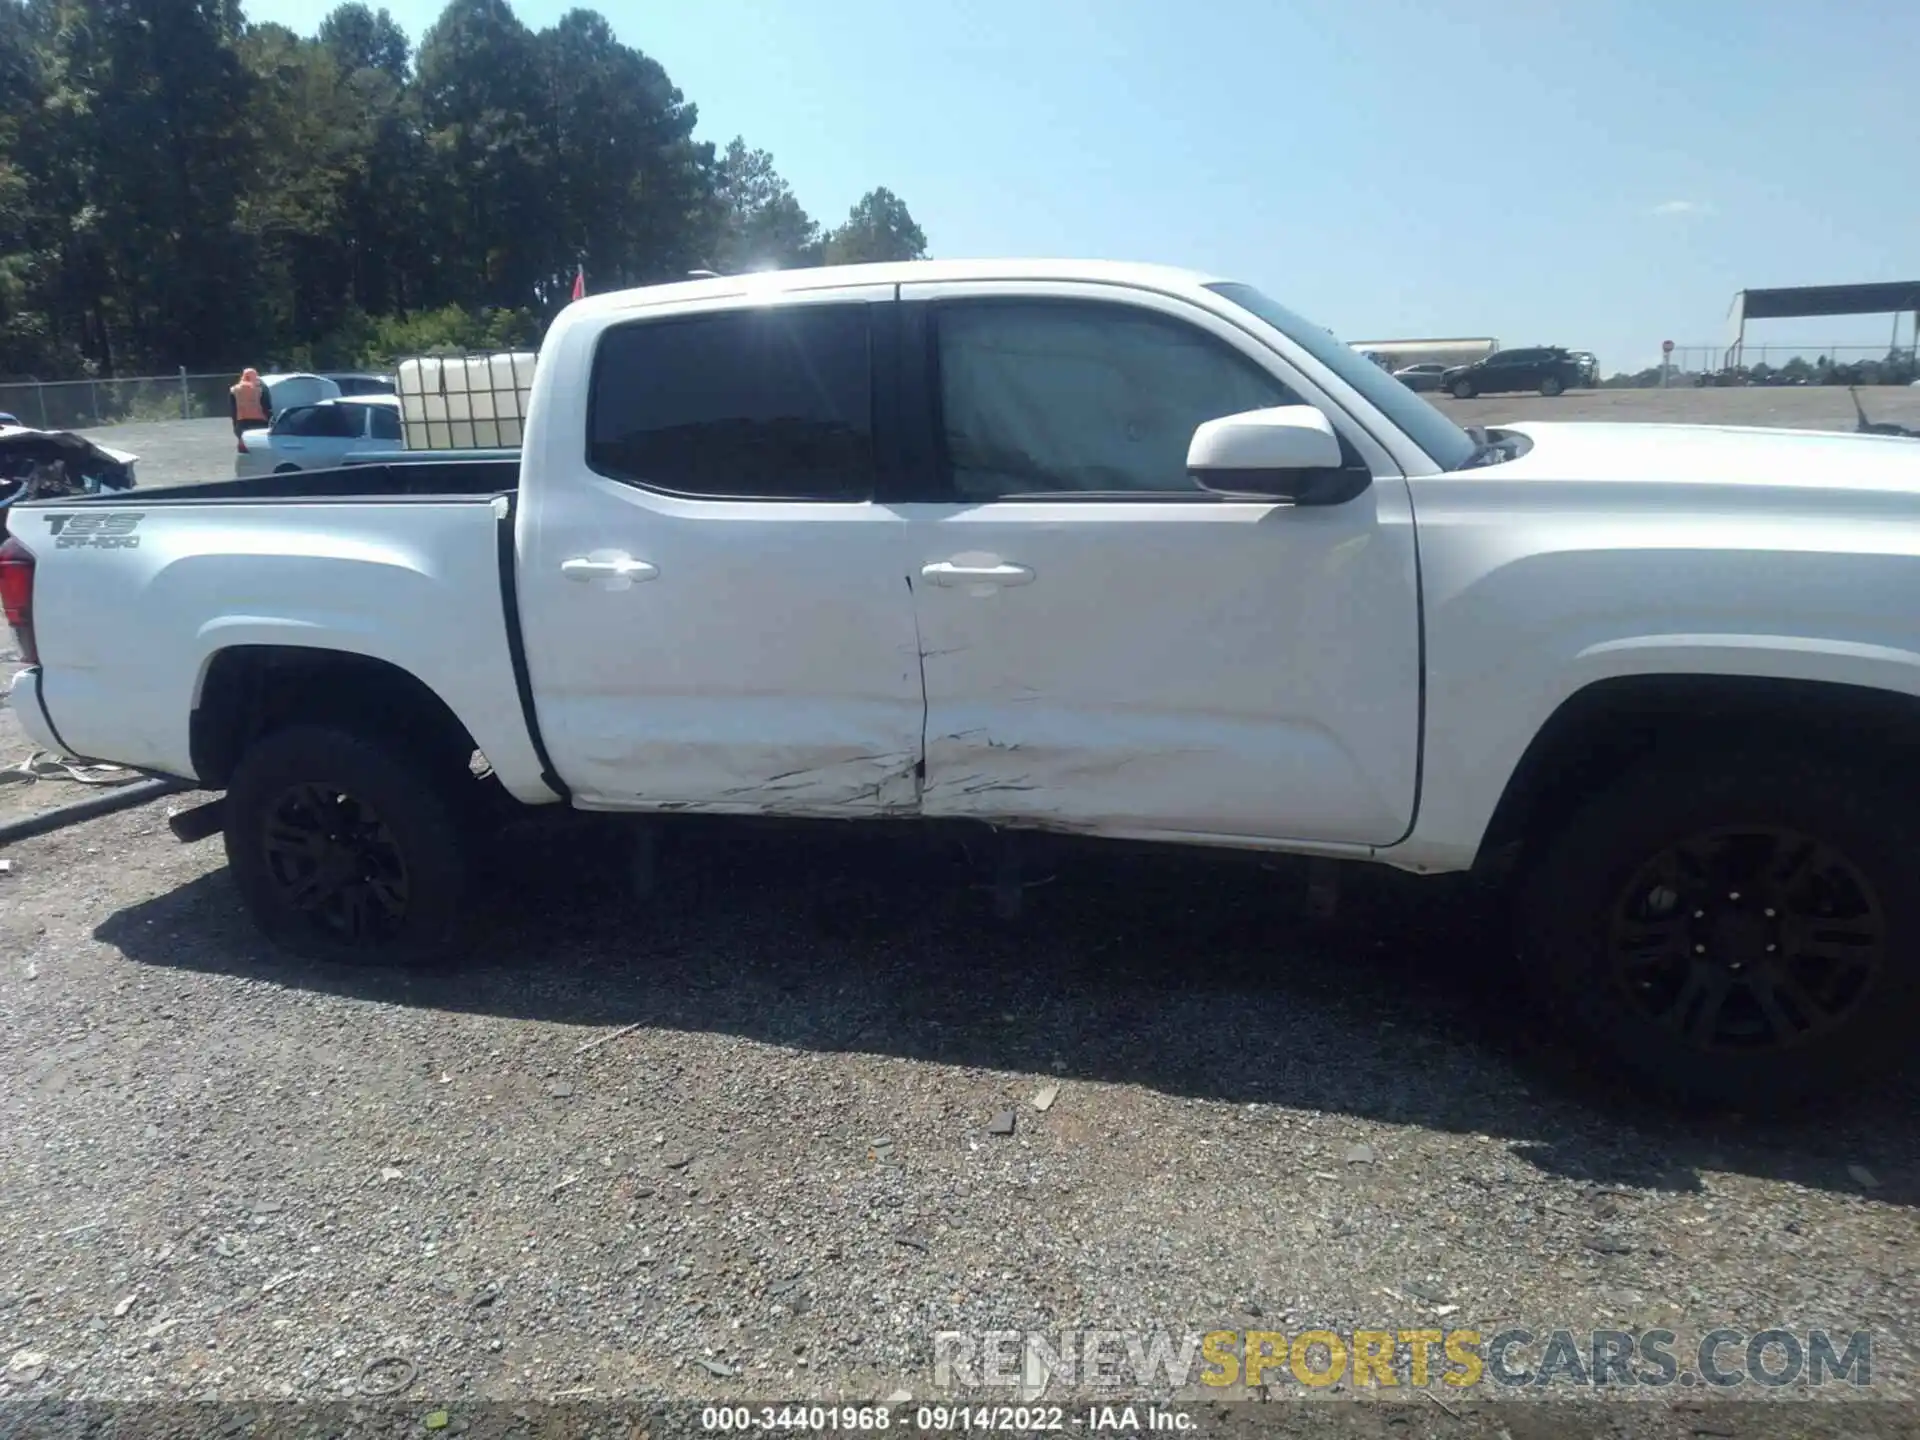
(1895, 298)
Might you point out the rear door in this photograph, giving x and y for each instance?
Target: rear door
(294, 433)
(332, 431)
(383, 427)
(715, 605)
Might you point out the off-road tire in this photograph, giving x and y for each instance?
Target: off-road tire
(1571, 897)
(424, 812)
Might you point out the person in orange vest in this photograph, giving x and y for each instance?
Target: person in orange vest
(250, 407)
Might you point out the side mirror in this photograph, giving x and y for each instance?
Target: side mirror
(1288, 452)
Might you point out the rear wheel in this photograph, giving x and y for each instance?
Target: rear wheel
(286, 469)
(345, 849)
(1732, 933)
(1551, 385)
(1463, 390)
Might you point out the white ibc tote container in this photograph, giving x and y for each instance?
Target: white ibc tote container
(465, 402)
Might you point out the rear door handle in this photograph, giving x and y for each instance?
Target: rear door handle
(945, 572)
(622, 569)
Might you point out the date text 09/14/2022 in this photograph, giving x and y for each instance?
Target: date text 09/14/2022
(942, 1419)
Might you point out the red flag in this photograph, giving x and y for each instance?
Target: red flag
(579, 282)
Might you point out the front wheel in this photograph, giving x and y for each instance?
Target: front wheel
(1463, 390)
(345, 849)
(1735, 933)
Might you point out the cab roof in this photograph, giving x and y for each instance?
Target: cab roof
(908, 272)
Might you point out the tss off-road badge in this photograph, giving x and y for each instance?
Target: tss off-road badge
(111, 530)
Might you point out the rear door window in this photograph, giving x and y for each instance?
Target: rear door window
(323, 422)
(772, 403)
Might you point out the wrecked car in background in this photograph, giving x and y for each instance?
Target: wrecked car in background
(49, 464)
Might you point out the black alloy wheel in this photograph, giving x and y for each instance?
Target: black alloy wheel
(336, 862)
(1735, 929)
(1748, 940)
(350, 847)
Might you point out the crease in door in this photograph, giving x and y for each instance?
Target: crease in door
(920, 651)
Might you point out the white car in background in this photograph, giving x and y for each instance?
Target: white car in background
(320, 436)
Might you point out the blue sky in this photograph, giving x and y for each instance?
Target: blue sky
(1602, 175)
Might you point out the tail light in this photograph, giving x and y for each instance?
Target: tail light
(16, 595)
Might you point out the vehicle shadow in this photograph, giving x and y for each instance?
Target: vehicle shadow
(1193, 974)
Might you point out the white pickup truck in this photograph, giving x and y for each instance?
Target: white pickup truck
(1114, 550)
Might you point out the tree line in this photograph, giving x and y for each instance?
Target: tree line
(181, 186)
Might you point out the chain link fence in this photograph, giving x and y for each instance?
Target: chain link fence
(84, 404)
(1711, 357)
(1861, 364)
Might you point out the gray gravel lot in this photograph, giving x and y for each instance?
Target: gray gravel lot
(174, 452)
(227, 1175)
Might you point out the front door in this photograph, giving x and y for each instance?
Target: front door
(1109, 649)
(713, 602)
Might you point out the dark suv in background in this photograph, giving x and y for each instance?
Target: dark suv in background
(1546, 368)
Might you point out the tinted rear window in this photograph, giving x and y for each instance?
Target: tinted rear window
(773, 403)
(320, 422)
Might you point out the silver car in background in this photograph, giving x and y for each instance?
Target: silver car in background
(1420, 377)
(320, 436)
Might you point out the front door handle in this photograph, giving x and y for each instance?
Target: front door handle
(623, 570)
(946, 572)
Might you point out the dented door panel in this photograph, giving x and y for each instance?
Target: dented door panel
(1231, 670)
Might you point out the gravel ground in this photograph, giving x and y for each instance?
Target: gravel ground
(174, 452)
(228, 1175)
(738, 1142)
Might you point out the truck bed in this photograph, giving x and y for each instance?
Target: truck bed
(134, 606)
(411, 480)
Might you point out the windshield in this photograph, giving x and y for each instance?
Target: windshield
(1449, 445)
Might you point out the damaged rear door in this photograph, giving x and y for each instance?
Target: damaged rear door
(712, 598)
(1109, 649)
